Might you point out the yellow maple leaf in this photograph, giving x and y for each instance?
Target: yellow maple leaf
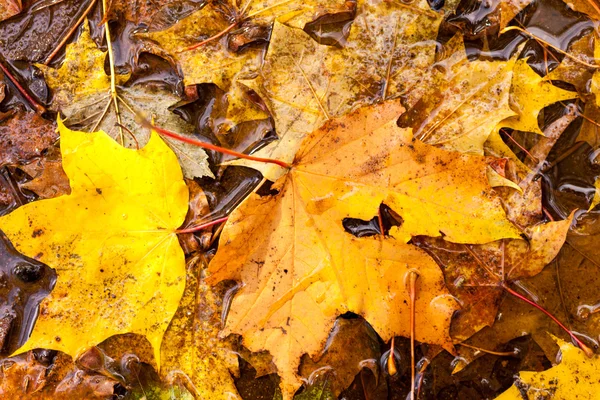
(112, 242)
(529, 94)
(299, 268)
(81, 93)
(81, 74)
(575, 377)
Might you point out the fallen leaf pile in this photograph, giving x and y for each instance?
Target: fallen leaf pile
(277, 199)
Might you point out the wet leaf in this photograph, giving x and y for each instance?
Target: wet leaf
(585, 6)
(152, 12)
(350, 342)
(529, 94)
(191, 345)
(217, 61)
(464, 108)
(304, 84)
(509, 9)
(590, 129)
(82, 94)
(573, 378)
(80, 75)
(475, 273)
(35, 33)
(575, 72)
(296, 262)
(24, 137)
(117, 243)
(153, 103)
(48, 178)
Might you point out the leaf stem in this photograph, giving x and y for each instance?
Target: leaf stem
(496, 353)
(113, 85)
(391, 364)
(209, 146)
(38, 107)
(412, 285)
(588, 352)
(202, 226)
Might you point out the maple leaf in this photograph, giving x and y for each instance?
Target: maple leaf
(81, 93)
(529, 94)
(588, 7)
(81, 74)
(464, 108)
(301, 270)
(304, 83)
(575, 377)
(573, 71)
(87, 114)
(219, 19)
(191, 344)
(114, 248)
(476, 273)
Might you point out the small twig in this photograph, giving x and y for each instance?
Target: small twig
(66, 38)
(564, 155)
(113, 84)
(137, 144)
(38, 107)
(566, 54)
(210, 39)
(519, 146)
(496, 353)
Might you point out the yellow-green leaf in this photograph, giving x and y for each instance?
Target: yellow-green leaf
(112, 242)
